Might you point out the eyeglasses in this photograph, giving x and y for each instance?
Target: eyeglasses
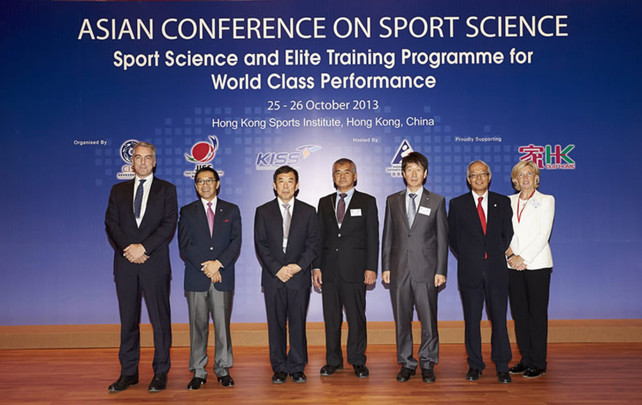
(483, 175)
(201, 182)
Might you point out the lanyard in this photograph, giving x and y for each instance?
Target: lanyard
(519, 212)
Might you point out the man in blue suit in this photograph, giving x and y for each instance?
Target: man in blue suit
(209, 236)
(480, 230)
(286, 238)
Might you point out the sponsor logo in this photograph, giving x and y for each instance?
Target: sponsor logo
(548, 156)
(201, 154)
(127, 155)
(402, 151)
(274, 160)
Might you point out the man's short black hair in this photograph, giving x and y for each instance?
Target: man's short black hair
(414, 157)
(206, 169)
(286, 169)
(211, 170)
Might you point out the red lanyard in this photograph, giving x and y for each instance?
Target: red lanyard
(519, 212)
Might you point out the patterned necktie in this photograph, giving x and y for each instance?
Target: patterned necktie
(482, 216)
(412, 209)
(210, 217)
(138, 201)
(287, 218)
(341, 208)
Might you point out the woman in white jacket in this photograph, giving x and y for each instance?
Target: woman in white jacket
(530, 261)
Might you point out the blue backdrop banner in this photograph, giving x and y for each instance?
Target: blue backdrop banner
(249, 86)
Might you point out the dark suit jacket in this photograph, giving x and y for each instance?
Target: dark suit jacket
(419, 252)
(197, 246)
(302, 248)
(347, 252)
(469, 243)
(155, 232)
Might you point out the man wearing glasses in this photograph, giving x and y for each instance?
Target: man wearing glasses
(480, 231)
(209, 238)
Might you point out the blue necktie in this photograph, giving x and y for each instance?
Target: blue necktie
(138, 201)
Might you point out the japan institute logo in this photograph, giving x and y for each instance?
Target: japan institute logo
(127, 155)
(201, 154)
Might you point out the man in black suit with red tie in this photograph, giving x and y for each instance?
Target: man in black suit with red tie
(348, 261)
(140, 221)
(480, 232)
(209, 237)
(286, 238)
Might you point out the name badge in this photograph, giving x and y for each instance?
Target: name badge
(356, 212)
(424, 211)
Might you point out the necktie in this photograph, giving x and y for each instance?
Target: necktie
(482, 216)
(138, 201)
(412, 209)
(341, 208)
(482, 219)
(210, 217)
(287, 218)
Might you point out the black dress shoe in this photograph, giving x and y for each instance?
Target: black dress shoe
(533, 372)
(504, 377)
(405, 373)
(195, 383)
(329, 370)
(361, 371)
(518, 368)
(473, 374)
(159, 383)
(298, 377)
(226, 381)
(279, 377)
(123, 382)
(428, 375)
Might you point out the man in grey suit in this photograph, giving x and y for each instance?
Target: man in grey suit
(414, 259)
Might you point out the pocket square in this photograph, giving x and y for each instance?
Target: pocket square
(226, 220)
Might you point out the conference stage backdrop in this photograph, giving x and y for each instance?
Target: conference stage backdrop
(249, 86)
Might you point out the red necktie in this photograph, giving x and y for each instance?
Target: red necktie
(482, 216)
(482, 219)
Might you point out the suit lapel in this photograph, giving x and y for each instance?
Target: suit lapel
(219, 216)
(201, 218)
(355, 203)
(491, 218)
(425, 198)
(401, 209)
(475, 215)
(129, 198)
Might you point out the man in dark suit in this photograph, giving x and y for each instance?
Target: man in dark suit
(209, 236)
(286, 238)
(141, 220)
(480, 232)
(415, 262)
(349, 229)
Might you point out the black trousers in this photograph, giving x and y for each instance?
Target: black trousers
(529, 294)
(336, 296)
(131, 286)
(495, 296)
(287, 310)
